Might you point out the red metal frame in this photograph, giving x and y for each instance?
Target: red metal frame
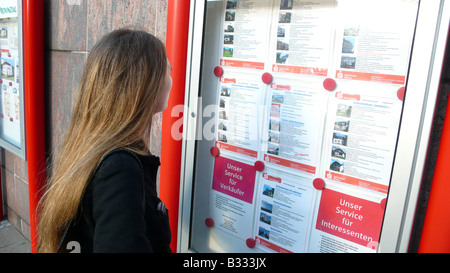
(33, 44)
(176, 44)
(436, 229)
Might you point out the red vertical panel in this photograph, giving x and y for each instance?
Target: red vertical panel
(176, 43)
(33, 45)
(436, 229)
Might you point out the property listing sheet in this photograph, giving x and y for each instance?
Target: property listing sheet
(293, 125)
(361, 138)
(238, 114)
(370, 49)
(283, 212)
(245, 37)
(308, 112)
(303, 35)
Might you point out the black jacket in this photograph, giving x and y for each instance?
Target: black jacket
(119, 211)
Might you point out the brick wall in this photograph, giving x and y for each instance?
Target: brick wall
(72, 28)
(15, 190)
(72, 31)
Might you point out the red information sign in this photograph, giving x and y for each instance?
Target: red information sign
(350, 218)
(234, 178)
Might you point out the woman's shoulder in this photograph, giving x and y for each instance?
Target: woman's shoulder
(119, 160)
(120, 154)
(119, 175)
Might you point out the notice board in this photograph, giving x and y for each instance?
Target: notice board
(11, 78)
(300, 104)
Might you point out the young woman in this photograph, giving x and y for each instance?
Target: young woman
(102, 191)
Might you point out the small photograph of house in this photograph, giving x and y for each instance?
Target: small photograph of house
(351, 31)
(268, 191)
(338, 152)
(344, 110)
(281, 45)
(274, 125)
(348, 62)
(228, 52)
(284, 18)
(267, 207)
(265, 218)
(282, 57)
(229, 28)
(337, 166)
(230, 16)
(281, 32)
(228, 39)
(340, 139)
(348, 45)
(278, 98)
(274, 137)
(286, 4)
(223, 126)
(275, 110)
(8, 69)
(231, 4)
(223, 115)
(3, 32)
(264, 233)
(273, 149)
(222, 137)
(341, 125)
(225, 91)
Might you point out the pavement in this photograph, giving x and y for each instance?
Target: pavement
(11, 240)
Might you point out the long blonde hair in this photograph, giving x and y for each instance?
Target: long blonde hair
(116, 100)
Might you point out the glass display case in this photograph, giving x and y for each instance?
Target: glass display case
(308, 123)
(11, 78)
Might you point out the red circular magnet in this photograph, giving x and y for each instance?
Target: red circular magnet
(1, 81)
(214, 151)
(218, 71)
(401, 93)
(11, 119)
(383, 203)
(329, 84)
(267, 78)
(209, 222)
(319, 184)
(250, 243)
(259, 166)
(10, 83)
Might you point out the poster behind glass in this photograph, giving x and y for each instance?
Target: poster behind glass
(10, 80)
